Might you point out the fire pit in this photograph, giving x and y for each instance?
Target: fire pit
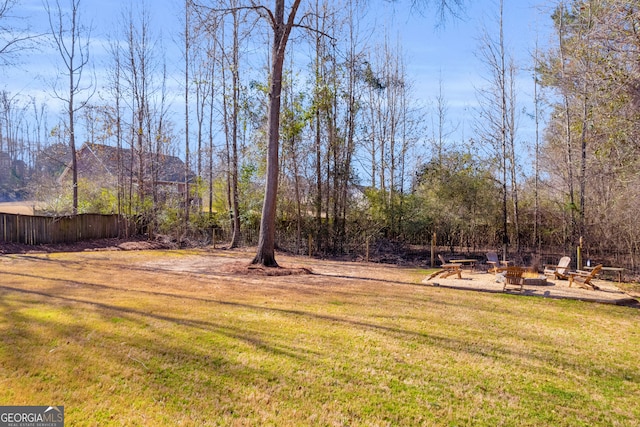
(534, 279)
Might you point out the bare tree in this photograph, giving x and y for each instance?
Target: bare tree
(188, 41)
(319, 102)
(231, 124)
(561, 27)
(537, 241)
(205, 34)
(116, 119)
(136, 72)
(351, 113)
(71, 39)
(497, 119)
(441, 131)
(13, 39)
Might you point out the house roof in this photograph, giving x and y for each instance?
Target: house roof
(99, 159)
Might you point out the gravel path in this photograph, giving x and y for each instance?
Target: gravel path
(486, 282)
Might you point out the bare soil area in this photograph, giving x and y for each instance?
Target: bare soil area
(229, 264)
(89, 245)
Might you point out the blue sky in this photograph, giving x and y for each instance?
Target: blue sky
(447, 53)
(443, 53)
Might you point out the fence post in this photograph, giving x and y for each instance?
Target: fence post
(367, 249)
(579, 253)
(433, 250)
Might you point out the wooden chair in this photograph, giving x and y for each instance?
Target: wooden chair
(447, 269)
(583, 278)
(513, 277)
(561, 271)
(495, 263)
(442, 260)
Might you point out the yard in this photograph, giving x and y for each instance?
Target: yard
(195, 338)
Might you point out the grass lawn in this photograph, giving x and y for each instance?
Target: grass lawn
(155, 338)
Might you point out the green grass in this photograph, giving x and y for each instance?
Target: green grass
(122, 339)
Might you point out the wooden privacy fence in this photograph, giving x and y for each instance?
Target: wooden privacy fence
(36, 230)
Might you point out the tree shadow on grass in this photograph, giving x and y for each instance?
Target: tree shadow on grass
(258, 341)
(162, 358)
(126, 366)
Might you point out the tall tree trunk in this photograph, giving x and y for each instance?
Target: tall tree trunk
(568, 138)
(536, 216)
(235, 239)
(513, 164)
(350, 125)
(211, 111)
(503, 136)
(187, 48)
(72, 143)
(227, 135)
(281, 30)
(585, 122)
(318, 164)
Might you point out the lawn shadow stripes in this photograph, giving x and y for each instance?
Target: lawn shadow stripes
(236, 333)
(442, 341)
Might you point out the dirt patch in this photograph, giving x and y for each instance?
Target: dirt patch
(132, 244)
(141, 245)
(208, 262)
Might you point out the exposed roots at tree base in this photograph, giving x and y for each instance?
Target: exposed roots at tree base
(260, 270)
(278, 271)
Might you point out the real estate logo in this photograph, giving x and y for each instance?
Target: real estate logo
(31, 416)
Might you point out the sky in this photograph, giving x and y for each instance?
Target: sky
(446, 54)
(437, 54)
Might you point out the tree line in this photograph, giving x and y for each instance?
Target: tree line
(345, 152)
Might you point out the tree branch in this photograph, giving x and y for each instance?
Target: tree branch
(261, 10)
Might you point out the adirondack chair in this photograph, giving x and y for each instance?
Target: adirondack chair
(495, 263)
(446, 269)
(513, 277)
(443, 261)
(583, 278)
(561, 271)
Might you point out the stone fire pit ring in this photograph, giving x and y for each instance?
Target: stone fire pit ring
(537, 280)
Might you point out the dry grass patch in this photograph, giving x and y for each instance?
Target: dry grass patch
(189, 338)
